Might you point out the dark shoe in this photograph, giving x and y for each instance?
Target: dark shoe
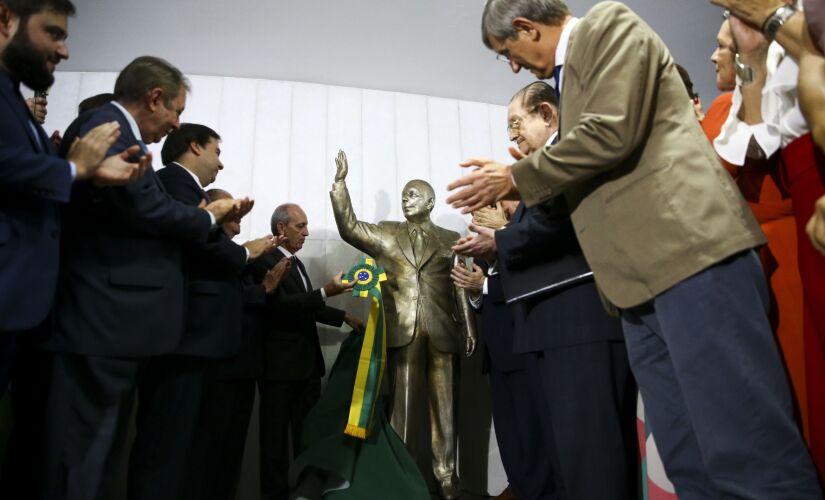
(507, 494)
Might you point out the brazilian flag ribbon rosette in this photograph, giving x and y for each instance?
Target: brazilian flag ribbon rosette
(367, 277)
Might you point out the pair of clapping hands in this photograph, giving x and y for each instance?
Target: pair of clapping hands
(480, 245)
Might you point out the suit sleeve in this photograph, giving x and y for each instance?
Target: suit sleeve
(534, 239)
(331, 316)
(218, 252)
(362, 235)
(23, 170)
(142, 207)
(621, 65)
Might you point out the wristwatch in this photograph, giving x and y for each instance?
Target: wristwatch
(775, 21)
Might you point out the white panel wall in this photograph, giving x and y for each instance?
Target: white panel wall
(279, 144)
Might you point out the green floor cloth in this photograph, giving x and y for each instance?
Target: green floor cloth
(334, 466)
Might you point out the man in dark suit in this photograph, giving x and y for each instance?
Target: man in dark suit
(170, 390)
(578, 372)
(293, 364)
(515, 411)
(121, 295)
(34, 182)
(669, 238)
(228, 395)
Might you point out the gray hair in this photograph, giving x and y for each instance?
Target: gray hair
(145, 73)
(280, 216)
(536, 93)
(497, 19)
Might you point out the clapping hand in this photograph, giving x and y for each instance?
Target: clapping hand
(485, 185)
(117, 170)
(229, 209)
(260, 246)
(275, 276)
(471, 280)
(481, 245)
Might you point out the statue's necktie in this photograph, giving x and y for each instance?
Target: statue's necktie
(418, 244)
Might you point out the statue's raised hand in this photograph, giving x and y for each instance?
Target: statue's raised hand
(343, 166)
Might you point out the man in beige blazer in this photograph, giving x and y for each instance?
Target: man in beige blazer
(429, 320)
(669, 240)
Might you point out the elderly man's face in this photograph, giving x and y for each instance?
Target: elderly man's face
(722, 59)
(163, 116)
(530, 129)
(296, 230)
(37, 48)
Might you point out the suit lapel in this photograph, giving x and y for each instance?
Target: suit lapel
(402, 237)
(21, 112)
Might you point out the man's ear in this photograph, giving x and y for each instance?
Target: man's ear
(195, 148)
(155, 98)
(522, 24)
(548, 114)
(9, 22)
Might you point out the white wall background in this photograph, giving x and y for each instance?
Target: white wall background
(279, 144)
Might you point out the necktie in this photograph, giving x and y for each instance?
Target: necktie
(418, 244)
(303, 272)
(557, 83)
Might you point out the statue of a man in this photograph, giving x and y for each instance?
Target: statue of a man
(429, 321)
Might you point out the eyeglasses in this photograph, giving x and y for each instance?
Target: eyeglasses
(514, 125)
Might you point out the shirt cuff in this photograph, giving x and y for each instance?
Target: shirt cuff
(73, 170)
(247, 253)
(484, 287)
(211, 218)
(323, 294)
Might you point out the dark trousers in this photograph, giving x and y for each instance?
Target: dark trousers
(22, 468)
(90, 402)
(214, 467)
(284, 405)
(169, 396)
(587, 402)
(714, 388)
(518, 434)
(7, 357)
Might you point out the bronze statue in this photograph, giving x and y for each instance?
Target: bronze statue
(429, 320)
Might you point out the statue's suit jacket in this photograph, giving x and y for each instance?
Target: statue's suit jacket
(421, 294)
(650, 203)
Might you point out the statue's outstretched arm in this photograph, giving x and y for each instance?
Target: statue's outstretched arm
(362, 235)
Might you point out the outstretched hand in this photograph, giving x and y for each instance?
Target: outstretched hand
(337, 287)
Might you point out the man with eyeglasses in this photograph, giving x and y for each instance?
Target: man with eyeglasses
(572, 410)
(669, 239)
